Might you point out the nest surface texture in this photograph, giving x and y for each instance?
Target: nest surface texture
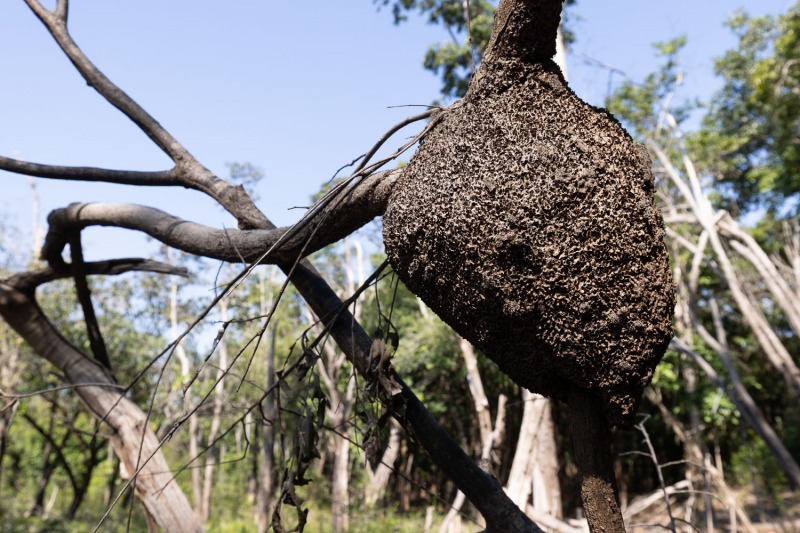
(526, 221)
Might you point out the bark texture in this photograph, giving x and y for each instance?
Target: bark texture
(527, 221)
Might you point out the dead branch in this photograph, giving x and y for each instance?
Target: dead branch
(280, 245)
(96, 342)
(28, 281)
(743, 402)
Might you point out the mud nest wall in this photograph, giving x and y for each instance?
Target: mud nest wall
(526, 221)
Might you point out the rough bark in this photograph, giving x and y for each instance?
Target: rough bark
(526, 220)
(590, 440)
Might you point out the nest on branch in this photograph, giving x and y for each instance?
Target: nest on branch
(526, 220)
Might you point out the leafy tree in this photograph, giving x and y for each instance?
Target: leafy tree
(469, 25)
(750, 140)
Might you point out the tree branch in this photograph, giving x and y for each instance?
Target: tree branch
(275, 246)
(28, 281)
(84, 293)
(524, 29)
(188, 169)
(56, 24)
(123, 177)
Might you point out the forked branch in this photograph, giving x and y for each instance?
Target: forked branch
(274, 246)
(187, 171)
(331, 220)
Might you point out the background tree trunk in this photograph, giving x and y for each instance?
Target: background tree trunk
(135, 442)
(266, 473)
(186, 372)
(534, 470)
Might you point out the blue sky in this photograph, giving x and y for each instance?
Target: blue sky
(296, 88)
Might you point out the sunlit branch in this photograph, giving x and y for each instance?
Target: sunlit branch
(188, 170)
(364, 203)
(123, 177)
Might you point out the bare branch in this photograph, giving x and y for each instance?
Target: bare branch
(362, 204)
(28, 281)
(123, 177)
(741, 398)
(96, 342)
(56, 23)
(188, 169)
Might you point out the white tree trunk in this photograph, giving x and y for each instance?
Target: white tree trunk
(534, 470)
(216, 420)
(186, 370)
(160, 495)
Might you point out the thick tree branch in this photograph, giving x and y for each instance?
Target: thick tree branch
(281, 245)
(524, 29)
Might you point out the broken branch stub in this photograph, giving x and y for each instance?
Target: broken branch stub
(527, 221)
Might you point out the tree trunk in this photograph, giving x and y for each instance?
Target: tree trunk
(476, 389)
(592, 444)
(186, 371)
(379, 478)
(48, 466)
(161, 496)
(9, 358)
(216, 420)
(534, 470)
(340, 500)
(266, 474)
(696, 455)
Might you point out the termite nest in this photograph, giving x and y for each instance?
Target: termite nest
(526, 220)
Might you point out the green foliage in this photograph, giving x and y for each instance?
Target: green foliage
(638, 105)
(454, 61)
(750, 140)
(753, 465)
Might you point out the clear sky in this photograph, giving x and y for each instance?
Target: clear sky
(296, 88)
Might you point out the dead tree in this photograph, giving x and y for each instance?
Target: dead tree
(597, 353)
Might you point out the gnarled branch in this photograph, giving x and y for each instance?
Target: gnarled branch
(275, 246)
